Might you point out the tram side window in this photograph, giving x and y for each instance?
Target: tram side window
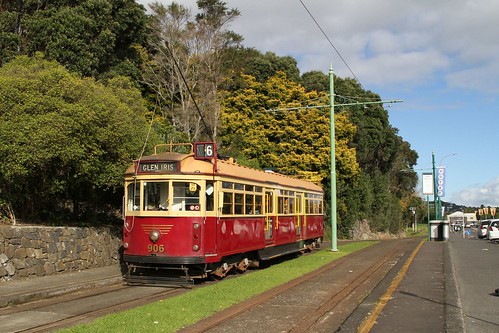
(258, 204)
(133, 194)
(227, 207)
(156, 196)
(286, 202)
(242, 199)
(314, 204)
(185, 197)
(250, 205)
(282, 205)
(239, 203)
(291, 205)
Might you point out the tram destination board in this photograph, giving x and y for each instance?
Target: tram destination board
(158, 167)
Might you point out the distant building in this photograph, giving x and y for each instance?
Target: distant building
(457, 217)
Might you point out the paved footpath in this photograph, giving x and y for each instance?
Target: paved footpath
(418, 304)
(450, 287)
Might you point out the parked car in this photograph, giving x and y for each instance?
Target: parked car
(481, 232)
(471, 224)
(493, 230)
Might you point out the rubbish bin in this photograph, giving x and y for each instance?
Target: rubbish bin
(439, 230)
(445, 230)
(434, 224)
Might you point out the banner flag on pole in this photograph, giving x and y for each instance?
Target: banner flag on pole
(440, 181)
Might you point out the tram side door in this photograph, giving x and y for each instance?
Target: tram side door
(269, 216)
(299, 216)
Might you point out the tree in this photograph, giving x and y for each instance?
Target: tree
(261, 66)
(91, 37)
(65, 141)
(374, 177)
(185, 70)
(315, 80)
(256, 124)
(386, 160)
(268, 64)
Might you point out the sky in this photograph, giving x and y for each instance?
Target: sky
(441, 58)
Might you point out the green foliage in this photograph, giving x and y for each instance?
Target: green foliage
(315, 80)
(265, 66)
(70, 137)
(64, 141)
(260, 66)
(256, 124)
(90, 37)
(386, 160)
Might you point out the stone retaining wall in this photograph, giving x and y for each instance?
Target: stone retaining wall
(28, 251)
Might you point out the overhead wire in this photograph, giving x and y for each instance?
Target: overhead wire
(331, 43)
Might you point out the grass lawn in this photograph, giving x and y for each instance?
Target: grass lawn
(175, 313)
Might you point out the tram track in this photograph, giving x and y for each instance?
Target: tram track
(373, 272)
(52, 306)
(354, 277)
(347, 281)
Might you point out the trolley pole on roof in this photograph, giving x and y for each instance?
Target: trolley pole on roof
(333, 163)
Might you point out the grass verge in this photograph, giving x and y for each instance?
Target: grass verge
(172, 314)
(421, 230)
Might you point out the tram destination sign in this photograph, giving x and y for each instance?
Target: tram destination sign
(158, 167)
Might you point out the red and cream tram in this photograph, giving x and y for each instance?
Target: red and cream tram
(190, 215)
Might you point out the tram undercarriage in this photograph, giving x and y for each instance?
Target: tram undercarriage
(186, 275)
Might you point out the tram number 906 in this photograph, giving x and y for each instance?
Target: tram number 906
(155, 248)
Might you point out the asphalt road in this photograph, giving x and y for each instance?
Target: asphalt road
(476, 268)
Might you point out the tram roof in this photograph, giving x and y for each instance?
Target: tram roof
(227, 168)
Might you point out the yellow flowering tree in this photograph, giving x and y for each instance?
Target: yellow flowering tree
(277, 124)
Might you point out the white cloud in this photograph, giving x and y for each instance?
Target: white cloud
(481, 194)
(383, 41)
(480, 78)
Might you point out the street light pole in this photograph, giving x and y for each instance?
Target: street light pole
(464, 224)
(435, 193)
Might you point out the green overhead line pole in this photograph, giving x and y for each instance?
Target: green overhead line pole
(332, 141)
(334, 236)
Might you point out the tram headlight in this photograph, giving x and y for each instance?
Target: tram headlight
(125, 245)
(195, 247)
(154, 235)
